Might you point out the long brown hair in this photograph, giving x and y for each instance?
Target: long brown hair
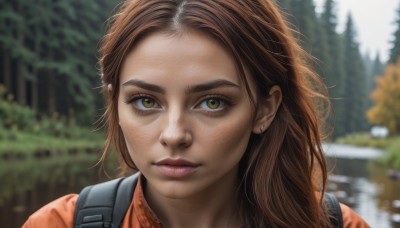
(277, 174)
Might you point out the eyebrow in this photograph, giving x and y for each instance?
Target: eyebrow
(210, 85)
(191, 89)
(144, 85)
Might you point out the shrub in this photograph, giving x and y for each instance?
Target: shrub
(392, 157)
(15, 116)
(365, 140)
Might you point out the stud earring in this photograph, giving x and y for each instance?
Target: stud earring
(262, 129)
(109, 87)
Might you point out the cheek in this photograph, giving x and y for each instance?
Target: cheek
(230, 139)
(137, 142)
(136, 137)
(139, 134)
(127, 124)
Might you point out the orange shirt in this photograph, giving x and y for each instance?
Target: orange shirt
(60, 213)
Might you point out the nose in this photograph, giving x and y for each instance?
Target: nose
(175, 133)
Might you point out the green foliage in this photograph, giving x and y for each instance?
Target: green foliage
(339, 62)
(304, 20)
(355, 86)
(365, 140)
(29, 144)
(392, 157)
(54, 46)
(395, 51)
(3, 132)
(14, 116)
(377, 69)
(373, 69)
(22, 132)
(390, 144)
(62, 128)
(333, 65)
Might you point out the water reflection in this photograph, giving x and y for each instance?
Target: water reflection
(363, 185)
(29, 184)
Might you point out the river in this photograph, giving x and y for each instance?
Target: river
(356, 180)
(361, 183)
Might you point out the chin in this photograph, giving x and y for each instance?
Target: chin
(177, 189)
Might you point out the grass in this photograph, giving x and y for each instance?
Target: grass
(24, 132)
(392, 157)
(365, 140)
(390, 144)
(27, 144)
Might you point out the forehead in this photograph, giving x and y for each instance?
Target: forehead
(188, 55)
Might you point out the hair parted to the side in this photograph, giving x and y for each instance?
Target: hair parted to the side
(282, 168)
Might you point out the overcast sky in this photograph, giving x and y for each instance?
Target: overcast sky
(374, 21)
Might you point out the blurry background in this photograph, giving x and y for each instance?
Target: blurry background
(50, 100)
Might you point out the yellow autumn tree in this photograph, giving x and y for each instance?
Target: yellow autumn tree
(386, 110)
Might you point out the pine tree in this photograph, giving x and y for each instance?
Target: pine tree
(49, 52)
(334, 66)
(8, 17)
(395, 51)
(304, 20)
(312, 38)
(355, 82)
(377, 69)
(373, 68)
(13, 42)
(319, 38)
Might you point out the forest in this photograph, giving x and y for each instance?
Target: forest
(49, 71)
(51, 101)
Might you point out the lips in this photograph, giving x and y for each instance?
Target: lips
(176, 162)
(176, 168)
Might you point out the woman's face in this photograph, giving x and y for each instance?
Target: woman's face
(185, 115)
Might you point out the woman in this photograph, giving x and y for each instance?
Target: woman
(213, 103)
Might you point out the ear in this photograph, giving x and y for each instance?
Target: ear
(267, 109)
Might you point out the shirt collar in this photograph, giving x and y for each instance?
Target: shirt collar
(145, 215)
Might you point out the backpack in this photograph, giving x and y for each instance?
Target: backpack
(105, 204)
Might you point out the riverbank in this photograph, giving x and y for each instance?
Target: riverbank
(16, 145)
(25, 133)
(391, 146)
(351, 151)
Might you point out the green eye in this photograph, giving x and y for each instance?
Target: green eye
(213, 103)
(148, 103)
(145, 103)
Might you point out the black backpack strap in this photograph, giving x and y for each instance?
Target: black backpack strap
(333, 207)
(104, 204)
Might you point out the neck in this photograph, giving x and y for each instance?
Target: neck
(214, 206)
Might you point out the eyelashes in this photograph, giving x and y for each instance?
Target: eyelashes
(143, 104)
(210, 104)
(214, 103)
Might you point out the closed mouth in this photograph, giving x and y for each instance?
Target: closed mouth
(176, 162)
